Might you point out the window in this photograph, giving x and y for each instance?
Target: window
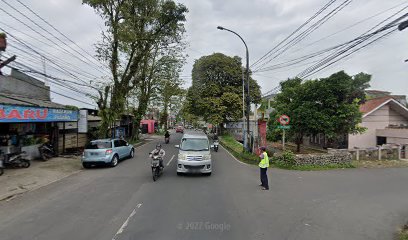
(117, 143)
(98, 145)
(381, 140)
(194, 144)
(123, 143)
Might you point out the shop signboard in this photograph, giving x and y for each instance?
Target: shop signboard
(13, 113)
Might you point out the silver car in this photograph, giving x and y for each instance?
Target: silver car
(194, 154)
(106, 151)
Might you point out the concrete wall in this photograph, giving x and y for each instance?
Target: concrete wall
(20, 84)
(377, 120)
(396, 118)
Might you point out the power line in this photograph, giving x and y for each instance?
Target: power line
(56, 44)
(32, 49)
(355, 43)
(294, 32)
(57, 81)
(305, 33)
(49, 24)
(63, 95)
(54, 58)
(328, 50)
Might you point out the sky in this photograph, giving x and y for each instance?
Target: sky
(262, 23)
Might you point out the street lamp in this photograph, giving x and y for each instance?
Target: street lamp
(248, 145)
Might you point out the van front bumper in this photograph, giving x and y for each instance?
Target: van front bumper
(184, 166)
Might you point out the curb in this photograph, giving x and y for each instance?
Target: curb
(14, 195)
(9, 197)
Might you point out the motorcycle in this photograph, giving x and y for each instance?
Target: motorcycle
(167, 140)
(216, 143)
(156, 169)
(46, 151)
(16, 160)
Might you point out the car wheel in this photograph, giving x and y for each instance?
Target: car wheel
(179, 174)
(25, 163)
(132, 153)
(207, 174)
(114, 161)
(86, 165)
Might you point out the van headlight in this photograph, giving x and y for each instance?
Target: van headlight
(207, 157)
(182, 157)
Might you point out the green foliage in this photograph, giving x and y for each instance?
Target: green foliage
(143, 45)
(403, 234)
(70, 107)
(273, 134)
(328, 105)
(216, 91)
(286, 160)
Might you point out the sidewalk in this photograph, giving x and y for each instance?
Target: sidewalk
(17, 181)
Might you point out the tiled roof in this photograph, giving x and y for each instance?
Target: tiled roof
(371, 104)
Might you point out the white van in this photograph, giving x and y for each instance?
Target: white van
(194, 154)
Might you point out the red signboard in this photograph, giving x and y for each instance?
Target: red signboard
(284, 119)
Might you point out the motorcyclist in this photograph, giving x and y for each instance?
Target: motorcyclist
(160, 152)
(167, 134)
(215, 137)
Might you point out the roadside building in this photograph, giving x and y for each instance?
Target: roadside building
(28, 117)
(385, 119)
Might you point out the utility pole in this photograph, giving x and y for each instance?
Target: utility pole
(248, 101)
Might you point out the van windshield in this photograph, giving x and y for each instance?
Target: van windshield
(194, 144)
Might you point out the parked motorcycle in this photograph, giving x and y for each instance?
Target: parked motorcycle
(16, 160)
(216, 143)
(46, 151)
(156, 169)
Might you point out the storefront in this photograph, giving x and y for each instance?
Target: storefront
(25, 128)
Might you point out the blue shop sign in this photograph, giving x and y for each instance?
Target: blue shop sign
(12, 113)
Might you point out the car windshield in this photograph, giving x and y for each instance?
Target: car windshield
(194, 144)
(98, 145)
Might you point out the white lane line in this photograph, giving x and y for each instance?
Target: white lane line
(170, 161)
(124, 225)
(234, 157)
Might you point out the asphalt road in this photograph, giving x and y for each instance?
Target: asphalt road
(124, 203)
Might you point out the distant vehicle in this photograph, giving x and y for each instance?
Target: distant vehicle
(194, 154)
(106, 151)
(180, 129)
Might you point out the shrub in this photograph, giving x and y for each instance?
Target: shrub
(286, 160)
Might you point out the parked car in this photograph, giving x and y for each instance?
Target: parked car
(106, 151)
(180, 129)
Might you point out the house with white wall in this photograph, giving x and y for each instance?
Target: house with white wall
(386, 120)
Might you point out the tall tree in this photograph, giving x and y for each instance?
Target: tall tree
(216, 91)
(329, 106)
(139, 33)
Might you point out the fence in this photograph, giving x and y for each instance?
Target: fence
(385, 152)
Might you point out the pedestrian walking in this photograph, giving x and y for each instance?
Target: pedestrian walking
(263, 166)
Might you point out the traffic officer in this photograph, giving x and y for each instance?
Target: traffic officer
(263, 166)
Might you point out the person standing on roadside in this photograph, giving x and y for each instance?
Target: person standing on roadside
(263, 166)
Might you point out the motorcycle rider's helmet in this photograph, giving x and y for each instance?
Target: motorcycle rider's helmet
(158, 146)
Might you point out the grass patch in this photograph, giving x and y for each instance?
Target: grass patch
(313, 167)
(285, 161)
(236, 149)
